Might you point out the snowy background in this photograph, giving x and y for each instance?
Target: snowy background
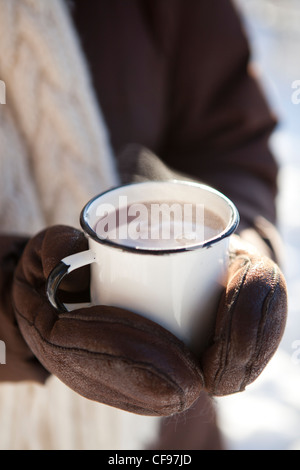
(267, 415)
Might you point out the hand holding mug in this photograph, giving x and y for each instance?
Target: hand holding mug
(104, 353)
(114, 356)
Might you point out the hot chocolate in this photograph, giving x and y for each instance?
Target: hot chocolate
(158, 225)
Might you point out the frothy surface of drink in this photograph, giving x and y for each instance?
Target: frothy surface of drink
(159, 225)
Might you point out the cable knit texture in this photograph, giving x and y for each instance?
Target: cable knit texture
(54, 155)
(51, 127)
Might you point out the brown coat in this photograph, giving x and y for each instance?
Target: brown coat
(173, 76)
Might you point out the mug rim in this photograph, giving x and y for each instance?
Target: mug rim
(229, 230)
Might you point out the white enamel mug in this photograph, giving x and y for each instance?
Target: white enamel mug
(178, 287)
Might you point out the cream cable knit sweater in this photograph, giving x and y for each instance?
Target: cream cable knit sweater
(50, 128)
(54, 156)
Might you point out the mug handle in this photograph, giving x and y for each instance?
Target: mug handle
(64, 267)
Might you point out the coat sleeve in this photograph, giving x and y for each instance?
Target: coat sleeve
(219, 123)
(17, 362)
